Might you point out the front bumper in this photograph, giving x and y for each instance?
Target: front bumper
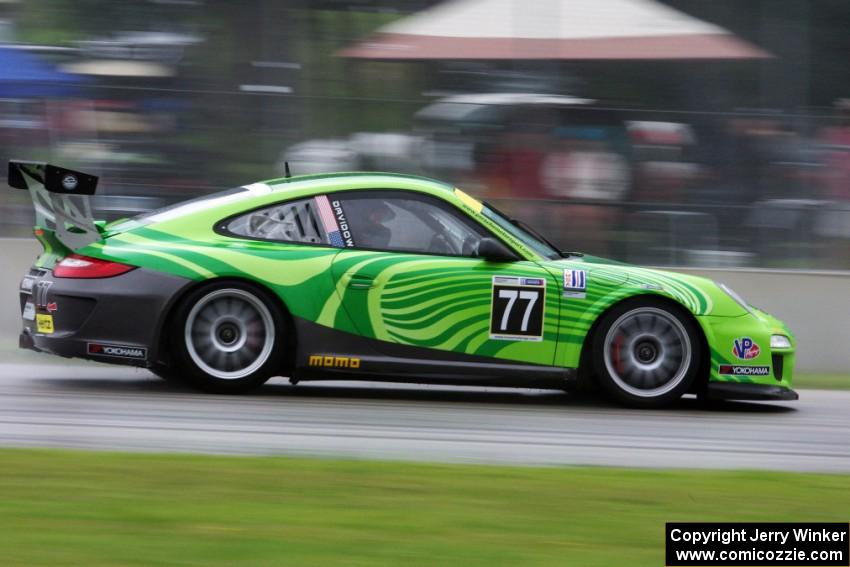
(117, 320)
(762, 365)
(741, 391)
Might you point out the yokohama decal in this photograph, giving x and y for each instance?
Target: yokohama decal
(732, 370)
(117, 351)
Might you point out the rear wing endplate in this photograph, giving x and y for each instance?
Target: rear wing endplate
(61, 200)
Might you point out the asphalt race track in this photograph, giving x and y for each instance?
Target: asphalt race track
(103, 407)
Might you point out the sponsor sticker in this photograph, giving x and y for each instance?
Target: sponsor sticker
(117, 351)
(44, 323)
(517, 308)
(745, 348)
(344, 230)
(29, 311)
(331, 361)
(470, 202)
(334, 221)
(732, 370)
(69, 182)
(575, 284)
(27, 283)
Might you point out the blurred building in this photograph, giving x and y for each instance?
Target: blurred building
(679, 132)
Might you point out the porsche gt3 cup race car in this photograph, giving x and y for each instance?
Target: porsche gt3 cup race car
(373, 276)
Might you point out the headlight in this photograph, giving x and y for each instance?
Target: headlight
(779, 341)
(737, 298)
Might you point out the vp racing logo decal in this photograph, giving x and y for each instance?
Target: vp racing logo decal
(745, 348)
(117, 351)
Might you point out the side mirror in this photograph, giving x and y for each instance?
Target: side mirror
(492, 250)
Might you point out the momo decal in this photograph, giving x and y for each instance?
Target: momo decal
(732, 370)
(745, 348)
(575, 284)
(517, 308)
(118, 351)
(327, 361)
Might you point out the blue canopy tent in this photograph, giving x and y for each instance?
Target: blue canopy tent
(23, 75)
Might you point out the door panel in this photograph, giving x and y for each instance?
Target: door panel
(452, 304)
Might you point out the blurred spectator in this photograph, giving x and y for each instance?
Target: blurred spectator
(664, 170)
(833, 222)
(584, 168)
(513, 167)
(836, 141)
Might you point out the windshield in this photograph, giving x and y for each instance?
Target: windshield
(539, 246)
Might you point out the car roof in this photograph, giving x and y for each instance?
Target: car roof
(211, 208)
(358, 180)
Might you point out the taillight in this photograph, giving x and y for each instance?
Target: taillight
(76, 266)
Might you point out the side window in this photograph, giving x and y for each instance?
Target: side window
(394, 221)
(305, 220)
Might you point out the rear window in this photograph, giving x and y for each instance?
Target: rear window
(294, 221)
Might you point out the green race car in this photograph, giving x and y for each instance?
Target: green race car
(373, 276)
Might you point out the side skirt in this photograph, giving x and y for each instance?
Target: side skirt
(327, 354)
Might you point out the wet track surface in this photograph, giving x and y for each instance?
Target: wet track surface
(102, 407)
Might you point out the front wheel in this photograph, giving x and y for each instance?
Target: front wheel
(230, 337)
(646, 353)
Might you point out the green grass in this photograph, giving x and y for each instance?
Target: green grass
(93, 509)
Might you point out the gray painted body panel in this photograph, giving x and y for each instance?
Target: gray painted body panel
(127, 310)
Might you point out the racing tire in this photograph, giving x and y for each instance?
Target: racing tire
(646, 353)
(228, 337)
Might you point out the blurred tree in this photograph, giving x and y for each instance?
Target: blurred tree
(809, 38)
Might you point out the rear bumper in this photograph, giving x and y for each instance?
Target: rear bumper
(118, 320)
(742, 391)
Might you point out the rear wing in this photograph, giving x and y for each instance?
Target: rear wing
(61, 200)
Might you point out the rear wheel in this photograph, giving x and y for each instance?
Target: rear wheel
(229, 337)
(646, 353)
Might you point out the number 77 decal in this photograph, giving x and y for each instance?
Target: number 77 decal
(511, 294)
(517, 308)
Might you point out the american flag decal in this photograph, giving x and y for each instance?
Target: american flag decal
(575, 280)
(326, 214)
